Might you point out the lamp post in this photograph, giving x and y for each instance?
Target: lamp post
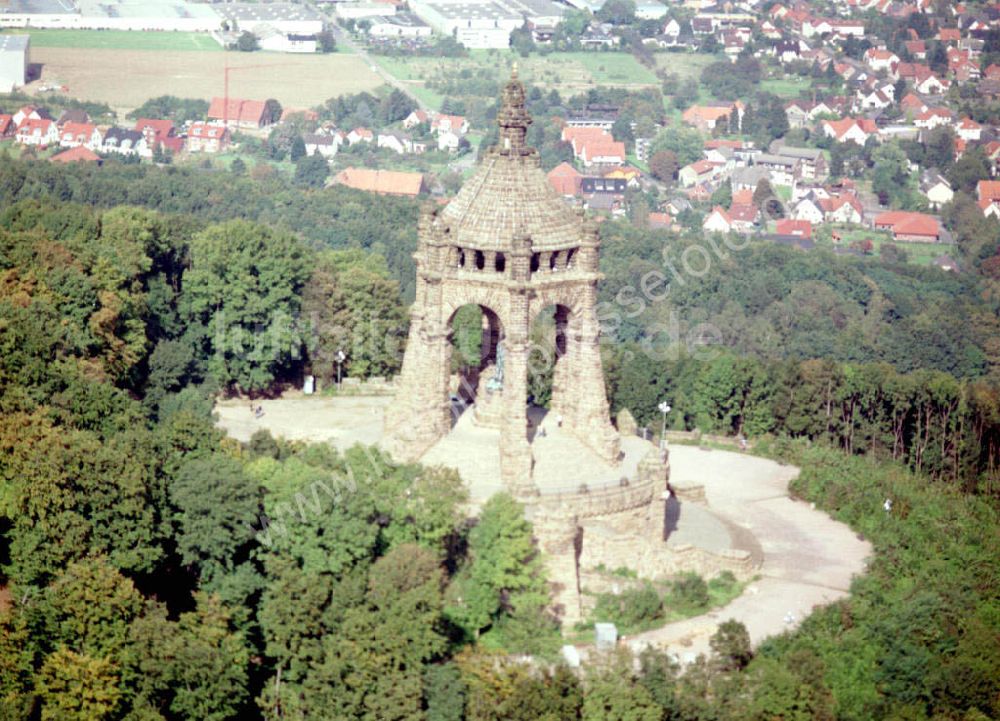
(664, 409)
(341, 357)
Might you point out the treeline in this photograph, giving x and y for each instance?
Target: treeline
(929, 420)
(773, 302)
(336, 217)
(155, 303)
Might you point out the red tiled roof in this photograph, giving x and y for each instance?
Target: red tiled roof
(386, 182)
(161, 128)
(743, 197)
(708, 113)
(602, 148)
(31, 124)
(239, 110)
(988, 189)
(564, 179)
(207, 131)
(76, 130)
(903, 222)
(77, 154)
(801, 228)
(743, 213)
(841, 127)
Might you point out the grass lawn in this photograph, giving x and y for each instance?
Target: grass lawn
(611, 68)
(790, 87)
(685, 65)
(122, 40)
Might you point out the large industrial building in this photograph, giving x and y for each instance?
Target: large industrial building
(13, 61)
(284, 17)
(116, 15)
(168, 15)
(485, 23)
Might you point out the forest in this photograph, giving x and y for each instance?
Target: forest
(142, 579)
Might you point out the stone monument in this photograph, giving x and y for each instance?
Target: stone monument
(509, 244)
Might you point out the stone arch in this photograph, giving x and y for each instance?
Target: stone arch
(473, 339)
(549, 327)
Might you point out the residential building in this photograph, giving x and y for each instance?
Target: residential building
(79, 154)
(697, 172)
(326, 145)
(565, 179)
(72, 135)
(239, 113)
(936, 189)
(908, 226)
(718, 221)
(125, 142)
(706, 117)
(37, 131)
(790, 226)
(207, 138)
(854, 130)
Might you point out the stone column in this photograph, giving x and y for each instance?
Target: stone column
(563, 382)
(583, 401)
(420, 414)
(516, 461)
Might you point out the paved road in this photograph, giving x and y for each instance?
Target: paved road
(343, 38)
(809, 559)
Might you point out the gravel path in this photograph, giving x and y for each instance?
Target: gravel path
(809, 559)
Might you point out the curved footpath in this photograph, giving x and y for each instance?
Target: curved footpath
(809, 559)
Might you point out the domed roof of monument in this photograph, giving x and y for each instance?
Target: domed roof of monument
(509, 195)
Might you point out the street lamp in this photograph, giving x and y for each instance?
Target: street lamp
(664, 409)
(341, 357)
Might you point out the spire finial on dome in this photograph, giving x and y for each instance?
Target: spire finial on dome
(513, 117)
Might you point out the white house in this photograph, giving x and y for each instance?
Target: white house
(448, 140)
(360, 135)
(880, 59)
(807, 210)
(73, 135)
(968, 129)
(126, 142)
(397, 142)
(937, 190)
(930, 85)
(718, 221)
(207, 138)
(325, 145)
(37, 131)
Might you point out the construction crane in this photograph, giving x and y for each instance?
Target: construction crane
(225, 94)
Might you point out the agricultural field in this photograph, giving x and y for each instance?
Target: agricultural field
(122, 40)
(294, 80)
(569, 73)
